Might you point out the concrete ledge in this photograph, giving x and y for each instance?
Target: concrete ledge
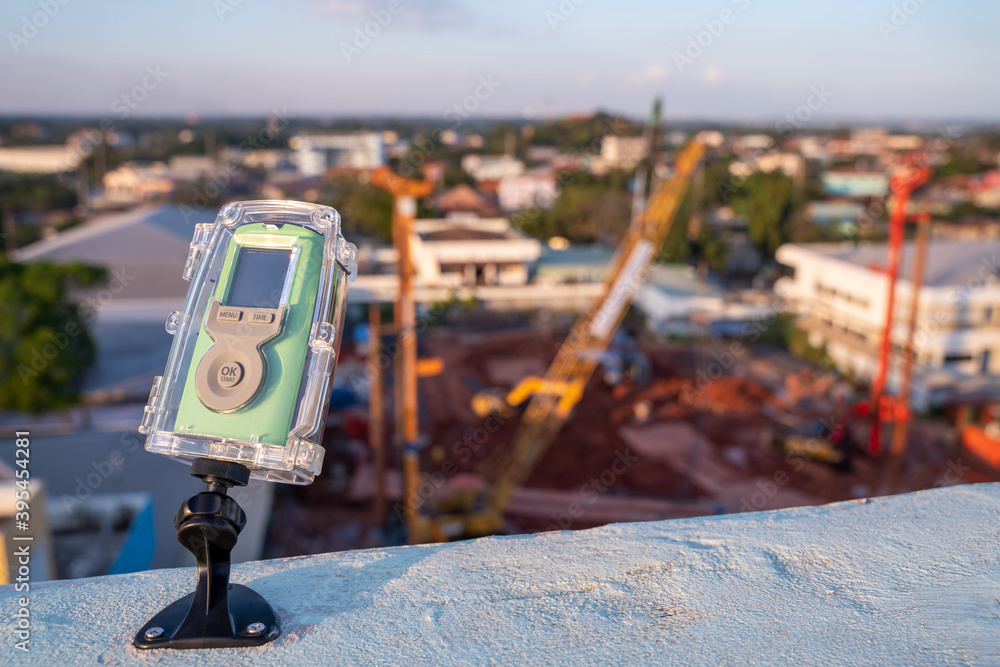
(902, 580)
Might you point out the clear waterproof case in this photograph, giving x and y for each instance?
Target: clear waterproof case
(255, 348)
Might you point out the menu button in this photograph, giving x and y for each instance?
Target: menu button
(230, 315)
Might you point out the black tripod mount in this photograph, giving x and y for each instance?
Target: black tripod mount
(218, 614)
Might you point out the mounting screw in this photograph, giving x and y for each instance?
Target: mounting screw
(255, 629)
(154, 633)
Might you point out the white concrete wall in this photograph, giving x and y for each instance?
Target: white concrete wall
(900, 580)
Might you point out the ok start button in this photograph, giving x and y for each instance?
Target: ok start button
(230, 374)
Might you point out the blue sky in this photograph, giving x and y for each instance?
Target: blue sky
(876, 58)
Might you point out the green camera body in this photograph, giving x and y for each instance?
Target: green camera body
(249, 339)
(249, 374)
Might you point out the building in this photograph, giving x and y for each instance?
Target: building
(877, 141)
(40, 159)
(676, 302)
(315, 153)
(191, 168)
(986, 190)
(967, 229)
(545, 154)
(452, 254)
(573, 264)
(623, 152)
(269, 159)
(465, 200)
(491, 167)
(834, 212)
(535, 187)
(839, 292)
(814, 148)
(473, 258)
(867, 141)
(132, 184)
(752, 143)
(472, 251)
(790, 164)
(855, 183)
(904, 142)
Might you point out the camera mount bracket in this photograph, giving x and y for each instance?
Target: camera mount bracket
(217, 614)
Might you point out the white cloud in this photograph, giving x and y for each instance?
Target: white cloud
(713, 74)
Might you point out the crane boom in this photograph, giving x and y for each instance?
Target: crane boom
(574, 364)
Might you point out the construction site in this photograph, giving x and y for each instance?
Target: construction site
(671, 447)
(484, 422)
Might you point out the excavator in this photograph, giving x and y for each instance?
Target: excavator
(470, 512)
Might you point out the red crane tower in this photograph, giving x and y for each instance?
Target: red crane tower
(883, 406)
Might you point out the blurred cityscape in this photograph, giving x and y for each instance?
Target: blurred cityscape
(740, 380)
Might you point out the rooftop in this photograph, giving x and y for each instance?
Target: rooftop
(578, 255)
(907, 579)
(949, 263)
(681, 281)
(144, 249)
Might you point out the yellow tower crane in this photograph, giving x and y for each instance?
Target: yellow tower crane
(554, 396)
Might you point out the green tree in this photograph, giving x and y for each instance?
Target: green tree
(961, 160)
(783, 332)
(21, 193)
(719, 186)
(364, 208)
(711, 248)
(453, 175)
(676, 247)
(570, 134)
(766, 201)
(499, 134)
(589, 213)
(45, 346)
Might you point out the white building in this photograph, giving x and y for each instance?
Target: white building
(472, 251)
(132, 184)
(269, 159)
(190, 168)
(623, 152)
(481, 258)
(315, 153)
(465, 254)
(517, 193)
(492, 167)
(790, 164)
(752, 143)
(40, 159)
(840, 294)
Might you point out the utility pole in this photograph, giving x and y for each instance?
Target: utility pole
(405, 193)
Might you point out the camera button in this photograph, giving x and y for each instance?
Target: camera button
(261, 318)
(229, 315)
(230, 374)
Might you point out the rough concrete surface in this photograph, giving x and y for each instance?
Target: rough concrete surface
(907, 580)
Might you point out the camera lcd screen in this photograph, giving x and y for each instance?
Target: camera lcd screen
(258, 278)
